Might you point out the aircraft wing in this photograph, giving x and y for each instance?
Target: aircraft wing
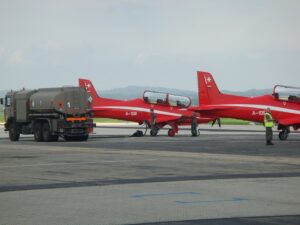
(290, 121)
(209, 108)
(167, 119)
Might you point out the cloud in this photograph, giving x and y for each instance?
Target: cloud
(17, 58)
(139, 59)
(2, 52)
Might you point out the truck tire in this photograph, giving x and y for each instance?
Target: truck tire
(46, 132)
(83, 138)
(37, 131)
(76, 138)
(54, 138)
(14, 133)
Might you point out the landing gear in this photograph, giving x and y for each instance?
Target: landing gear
(154, 131)
(14, 133)
(283, 135)
(171, 133)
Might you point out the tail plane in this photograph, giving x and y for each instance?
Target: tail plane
(88, 86)
(209, 93)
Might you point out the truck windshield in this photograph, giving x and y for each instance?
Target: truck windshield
(287, 93)
(8, 101)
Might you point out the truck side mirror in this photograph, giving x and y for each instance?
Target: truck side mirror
(1, 101)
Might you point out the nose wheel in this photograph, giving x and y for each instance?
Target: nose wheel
(171, 133)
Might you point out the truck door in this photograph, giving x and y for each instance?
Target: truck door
(8, 110)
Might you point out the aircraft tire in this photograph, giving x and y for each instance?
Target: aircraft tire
(171, 133)
(283, 135)
(153, 133)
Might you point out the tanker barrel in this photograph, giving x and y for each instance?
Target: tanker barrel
(65, 100)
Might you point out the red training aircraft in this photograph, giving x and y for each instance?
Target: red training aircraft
(284, 104)
(169, 109)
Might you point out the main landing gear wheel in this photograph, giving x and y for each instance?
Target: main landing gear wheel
(171, 133)
(154, 132)
(283, 135)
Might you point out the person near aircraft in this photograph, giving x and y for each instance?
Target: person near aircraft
(153, 130)
(194, 125)
(268, 123)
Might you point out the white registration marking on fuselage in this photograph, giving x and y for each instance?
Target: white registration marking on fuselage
(272, 108)
(139, 109)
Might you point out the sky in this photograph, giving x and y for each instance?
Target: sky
(117, 43)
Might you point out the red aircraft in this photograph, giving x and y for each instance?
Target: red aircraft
(284, 104)
(169, 109)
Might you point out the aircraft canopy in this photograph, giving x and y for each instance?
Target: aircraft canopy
(161, 98)
(287, 93)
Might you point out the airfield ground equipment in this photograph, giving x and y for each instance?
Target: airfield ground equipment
(48, 113)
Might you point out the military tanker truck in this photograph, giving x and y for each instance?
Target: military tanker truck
(48, 113)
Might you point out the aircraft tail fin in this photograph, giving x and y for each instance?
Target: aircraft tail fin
(208, 91)
(88, 86)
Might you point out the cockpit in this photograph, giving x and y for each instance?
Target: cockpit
(287, 93)
(161, 98)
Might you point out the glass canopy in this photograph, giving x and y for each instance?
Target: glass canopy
(153, 97)
(287, 93)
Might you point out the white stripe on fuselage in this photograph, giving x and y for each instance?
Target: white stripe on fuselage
(139, 109)
(273, 108)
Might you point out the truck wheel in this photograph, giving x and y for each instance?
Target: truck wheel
(46, 132)
(38, 134)
(14, 134)
(54, 138)
(83, 138)
(68, 138)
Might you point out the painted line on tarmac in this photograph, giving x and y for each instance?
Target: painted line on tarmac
(108, 182)
(235, 200)
(145, 195)
(77, 163)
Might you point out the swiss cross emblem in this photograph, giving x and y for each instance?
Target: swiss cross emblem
(87, 86)
(208, 79)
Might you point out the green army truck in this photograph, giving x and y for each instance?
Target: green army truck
(48, 113)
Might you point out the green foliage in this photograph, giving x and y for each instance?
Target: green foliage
(107, 120)
(1, 117)
(228, 121)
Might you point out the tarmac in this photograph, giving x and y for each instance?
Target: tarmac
(225, 176)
